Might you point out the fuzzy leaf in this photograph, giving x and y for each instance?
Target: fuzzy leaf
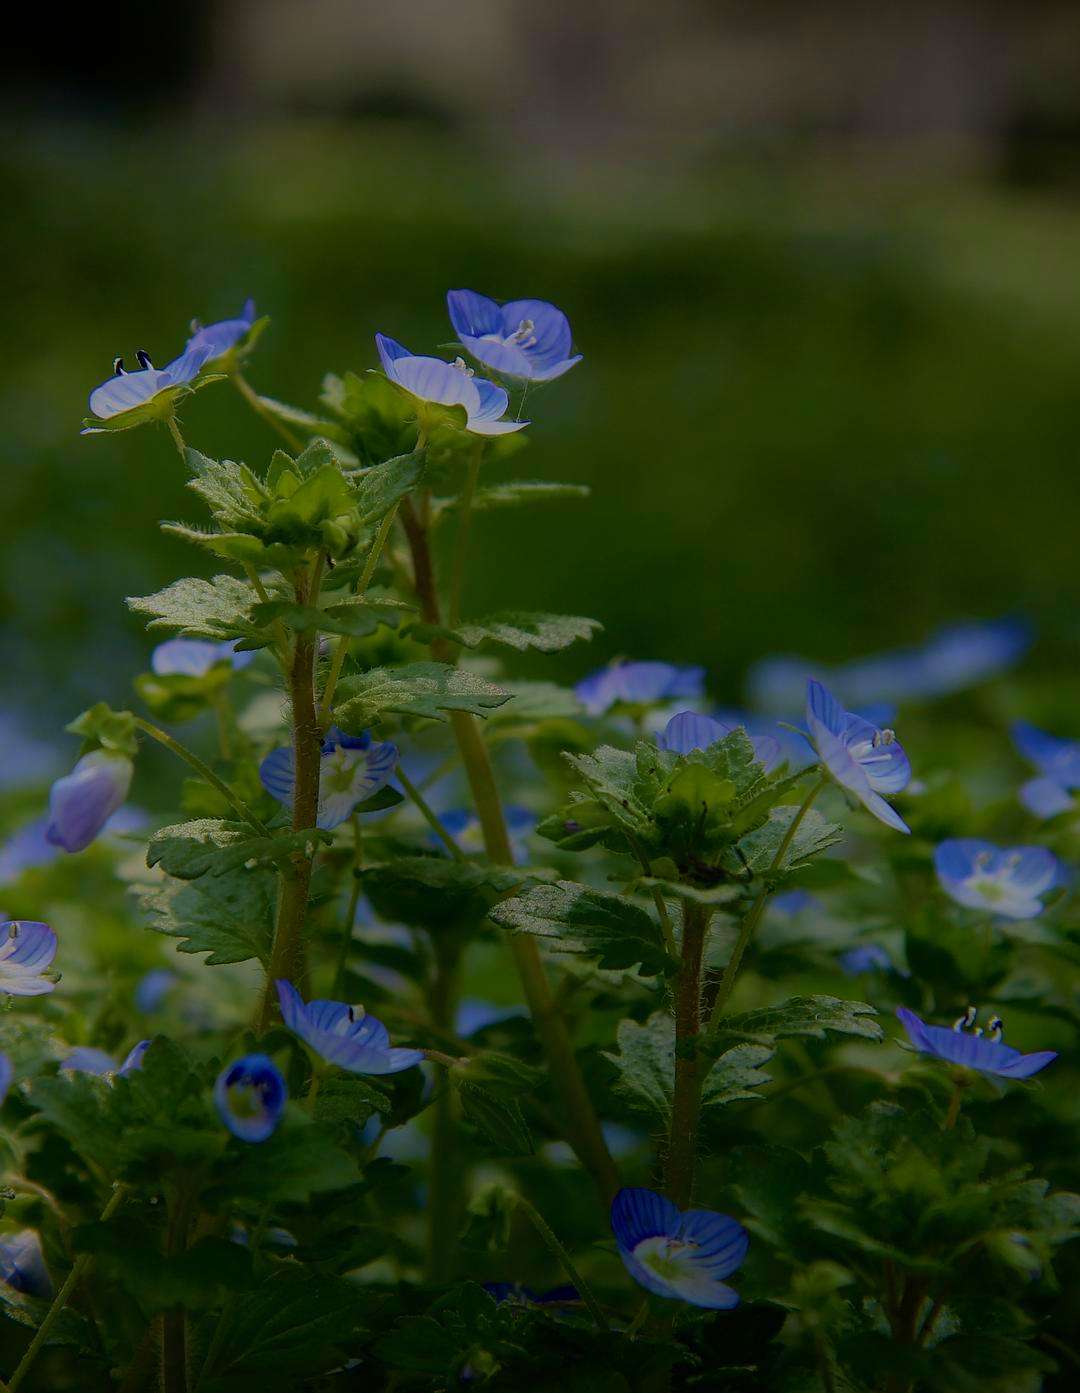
(547, 633)
(808, 1016)
(353, 618)
(518, 494)
(499, 1120)
(815, 835)
(383, 486)
(213, 846)
(416, 689)
(428, 891)
(228, 916)
(217, 609)
(574, 918)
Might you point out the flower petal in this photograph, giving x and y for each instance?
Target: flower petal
(473, 314)
(638, 1213)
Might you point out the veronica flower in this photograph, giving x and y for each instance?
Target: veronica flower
(680, 1255)
(87, 1059)
(448, 384)
(26, 952)
(966, 1044)
(26, 849)
(7, 1073)
(81, 803)
(194, 657)
(638, 684)
(865, 957)
(153, 988)
(792, 902)
(352, 768)
(219, 338)
(1006, 881)
(22, 1264)
(688, 731)
(464, 826)
(343, 1035)
(862, 759)
(250, 1095)
(1058, 762)
(150, 394)
(524, 339)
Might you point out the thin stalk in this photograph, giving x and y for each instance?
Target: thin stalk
(429, 816)
(658, 899)
(753, 915)
(174, 1323)
(178, 439)
(253, 400)
(681, 1158)
(62, 1297)
(954, 1106)
(446, 1179)
(205, 772)
(350, 912)
(223, 718)
(541, 1226)
(280, 633)
(461, 549)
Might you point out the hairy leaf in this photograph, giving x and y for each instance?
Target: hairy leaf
(415, 689)
(809, 1016)
(228, 916)
(547, 633)
(217, 609)
(574, 918)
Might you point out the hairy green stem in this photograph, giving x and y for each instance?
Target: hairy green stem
(254, 401)
(545, 1231)
(178, 439)
(681, 1158)
(461, 548)
(753, 916)
(205, 772)
(62, 1297)
(429, 815)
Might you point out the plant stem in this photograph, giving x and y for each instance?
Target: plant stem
(178, 439)
(350, 912)
(205, 772)
(174, 1331)
(253, 400)
(582, 1124)
(223, 717)
(559, 1252)
(446, 1188)
(754, 913)
(280, 632)
(461, 549)
(686, 1102)
(62, 1297)
(429, 816)
(954, 1107)
(658, 899)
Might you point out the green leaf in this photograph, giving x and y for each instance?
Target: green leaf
(383, 486)
(102, 727)
(432, 892)
(574, 918)
(547, 633)
(759, 848)
(127, 1252)
(498, 1119)
(735, 1076)
(415, 689)
(214, 846)
(299, 1160)
(308, 421)
(354, 618)
(381, 421)
(177, 697)
(808, 1016)
(235, 496)
(346, 1098)
(228, 916)
(517, 494)
(217, 609)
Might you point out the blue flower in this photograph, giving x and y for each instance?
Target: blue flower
(865, 957)
(194, 657)
(1006, 881)
(81, 803)
(524, 339)
(474, 1014)
(638, 684)
(153, 988)
(464, 826)
(792, 902)
(129, 398)
(22, 1264)
(448, 384)
(27, 849)
(343, 1035)
(87, 1059)
(864, 760)
(7, 1073)
(680, 1255)
(688, 731)
(974, 1050)
(26, 952)
(964, 655)
(351, 769)
(222, 336)
(1058, 762)
(133, 1059)
(250, 1095)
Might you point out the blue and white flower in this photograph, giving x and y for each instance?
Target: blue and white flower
(1007, 881)
(688, 731)
(528, 340)
(81, 803)
(194, 657)
(681, 1255)
(861, 758)
(224, 335)
(27, 949)
(343, 1035)
(1058, 763)
(967, 1045)
(129, 398)
(448, 384)
(638, 684)
(351, 770)
(88, 1059)
(22, 1264)
(250, 1095)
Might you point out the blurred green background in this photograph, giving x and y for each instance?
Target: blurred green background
(831, 318)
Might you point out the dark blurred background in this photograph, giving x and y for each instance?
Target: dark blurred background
(823, 263)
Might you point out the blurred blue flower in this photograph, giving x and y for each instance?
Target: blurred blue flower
(638, 684)
(795, 749)
(26, 952)
(352, 769)
(26, 849)
(525, 339)
(7, 1073)
(680, 1255)
(966, 1044)
(133, 1059)
(343, 1035)
(464, 826)
(864, 760)
(474, 1014)
(194, 657)
(220, 337)
(794, 902)
(27, 760)
(964, 655)
(1007, 881)
(22, 1264)
(87, 1059)
(126, 391)
(81, 803)
(865, 957)
(687, 731)
(250, 1095)
(1058, 762)
(448, 384)
(153, 988)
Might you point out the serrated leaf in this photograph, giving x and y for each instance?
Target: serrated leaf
(217, 609)
(346, 1098)
(227, 916)
(807, 1016)
(518, 494)
(380, 420)
(759, 848)
(353, 618)
(574, 918)
(234, 494)
(431, 891)
(498, 1119)
(547, 633)
(534, 702)
(296, 1162)
(213, 846)
(382, 486)
(415, 689)
(128, 1253)
(735, 1076)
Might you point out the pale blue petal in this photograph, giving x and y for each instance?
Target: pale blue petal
(504, 358)
(389, 352)
(1045, 798)
(493, 400)
(278, 774)
(551, 329)
(638, 1213)
(432, 380)
(473, 314)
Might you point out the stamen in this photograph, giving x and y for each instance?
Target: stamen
(118, 367)
(884, 737)
(462, 366)
(195, 326)
(523, 335)
(143, 357)
(995, 1029)
(967, 1020)
(982, 860)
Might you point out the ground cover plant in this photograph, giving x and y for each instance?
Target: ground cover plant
(511, 1033)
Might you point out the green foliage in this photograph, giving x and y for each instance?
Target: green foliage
(430, 892)
(215, 609)
(106, 729)
(547, 633)
(214, 846)
(228, 916)
(427, 690)
(807, 1016)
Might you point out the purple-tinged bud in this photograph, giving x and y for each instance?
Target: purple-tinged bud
(82, 802)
